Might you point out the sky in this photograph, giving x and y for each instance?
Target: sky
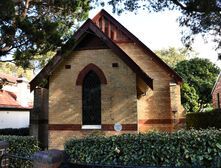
(160, 31)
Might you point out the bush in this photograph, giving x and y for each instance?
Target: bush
(23, 146)
(204, 119)
(15, 131)
(181, 148)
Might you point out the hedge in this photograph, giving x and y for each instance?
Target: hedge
(204, 119)
(15, 131)
(182, 148)
(23, 146)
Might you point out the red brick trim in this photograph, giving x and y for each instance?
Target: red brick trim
(71, 127)
(77, 127)
(91, 67)
(182, 120)
(125, 127)
(123, 41)
(156, 121)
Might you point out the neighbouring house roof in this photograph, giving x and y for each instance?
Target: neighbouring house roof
(8, 78)
(8, 101)
(217, 81)
(90, 27)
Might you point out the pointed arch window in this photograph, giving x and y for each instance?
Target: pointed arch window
(91, 99)
(91, 78)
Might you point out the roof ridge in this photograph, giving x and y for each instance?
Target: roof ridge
(136, 40)
(8, 77)
(89, 25)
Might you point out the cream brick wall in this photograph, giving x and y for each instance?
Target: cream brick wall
(119, 96)
(119, 102)
(156, 103)
(153, 69)
(176, 101)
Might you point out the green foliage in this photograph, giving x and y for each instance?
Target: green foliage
(198, 16)
(15, 131)
(22, 146)
(200, 74)
(12, 69)
(30, 28)
(42, 60)
(172, 56)
(204, 119)
(189, 98)
(181, 148)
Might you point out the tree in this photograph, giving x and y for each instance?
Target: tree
(199, 16)
(36, 27)
(12, 69)
(200, 74)
(189, 98)
(172, 56)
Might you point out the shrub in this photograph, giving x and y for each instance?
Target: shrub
(204, 119)
(15, 131)
(181, 148)
(23, 146)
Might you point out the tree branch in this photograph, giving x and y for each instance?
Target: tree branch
(176, 2)
(214, 8)
(5, 50)
(24, 13)
(7, 60)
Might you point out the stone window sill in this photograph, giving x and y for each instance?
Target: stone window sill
(91, 127)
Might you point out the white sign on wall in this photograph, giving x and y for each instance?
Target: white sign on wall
(117, 127)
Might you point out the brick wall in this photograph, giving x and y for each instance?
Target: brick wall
(119, 101)
(152, 109)
(179, 113)
(155, 106)
(217, 92)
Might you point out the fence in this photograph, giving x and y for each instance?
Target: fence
(42, 159)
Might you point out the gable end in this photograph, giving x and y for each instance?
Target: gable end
(79, 36)
(91, 42)
(134, 39)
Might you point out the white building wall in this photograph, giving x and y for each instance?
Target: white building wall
(14, 119)
(10, 87)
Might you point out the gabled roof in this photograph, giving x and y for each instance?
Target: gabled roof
(8, 101)
(8, 78)
(134, 39)
(217, 80)
(88, 27)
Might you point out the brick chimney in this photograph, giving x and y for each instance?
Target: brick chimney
(23, 91)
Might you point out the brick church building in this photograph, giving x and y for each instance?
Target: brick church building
(104, 77)
(216, 93)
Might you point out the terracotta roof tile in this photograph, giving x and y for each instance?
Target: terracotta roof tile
(8, 100)
(8, 77)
